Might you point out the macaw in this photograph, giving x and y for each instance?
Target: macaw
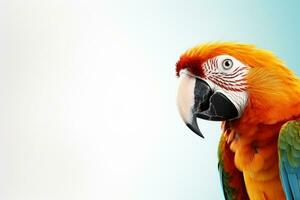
(257, 99)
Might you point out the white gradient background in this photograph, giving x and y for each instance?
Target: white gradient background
(88, 94)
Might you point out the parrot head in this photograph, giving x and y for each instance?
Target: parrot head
(230, 81)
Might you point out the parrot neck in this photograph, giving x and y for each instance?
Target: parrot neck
(249, 141)
(256, 130)
(272, 99)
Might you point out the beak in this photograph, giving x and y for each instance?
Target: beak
(195, 99)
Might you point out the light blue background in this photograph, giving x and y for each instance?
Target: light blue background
(89, 87)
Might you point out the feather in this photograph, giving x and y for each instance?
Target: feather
(289, 161)
(231, 179)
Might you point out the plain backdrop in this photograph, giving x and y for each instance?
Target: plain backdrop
(88, 91)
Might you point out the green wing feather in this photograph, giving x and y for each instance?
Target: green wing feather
(289, 159)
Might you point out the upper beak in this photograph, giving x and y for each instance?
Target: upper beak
(195, 99)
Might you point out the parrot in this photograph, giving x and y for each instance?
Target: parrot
(256, 97)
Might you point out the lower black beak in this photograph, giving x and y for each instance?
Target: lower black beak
(220, 108)
(196, 99)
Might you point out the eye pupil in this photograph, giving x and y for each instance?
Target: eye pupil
(227, 64)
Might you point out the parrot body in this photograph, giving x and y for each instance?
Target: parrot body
(255, 155)
(257, 98)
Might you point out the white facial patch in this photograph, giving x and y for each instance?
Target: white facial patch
(226, 74)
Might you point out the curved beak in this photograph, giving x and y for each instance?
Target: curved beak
(195, 99)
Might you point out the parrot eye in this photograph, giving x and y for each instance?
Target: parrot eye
(227, 64)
